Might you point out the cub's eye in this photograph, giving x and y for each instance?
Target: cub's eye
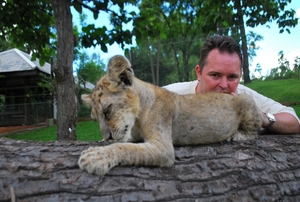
(106, 111)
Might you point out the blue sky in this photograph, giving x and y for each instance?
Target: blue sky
(267, 56)
(274, 42)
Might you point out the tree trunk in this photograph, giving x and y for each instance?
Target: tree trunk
(185, 59)
(151, 62)
(65, 86)
(245, 64)
(179, 74)
(157, 61)
(264, 169)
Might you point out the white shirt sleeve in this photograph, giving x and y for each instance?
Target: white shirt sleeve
(266, 104)
(182, 88)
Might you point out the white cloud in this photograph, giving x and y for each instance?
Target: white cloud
(298, 13)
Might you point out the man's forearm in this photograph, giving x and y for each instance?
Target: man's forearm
(285, 123)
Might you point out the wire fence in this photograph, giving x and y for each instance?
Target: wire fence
(25, 113)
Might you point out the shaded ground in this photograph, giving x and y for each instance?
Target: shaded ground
(12, 129)
(290, 103)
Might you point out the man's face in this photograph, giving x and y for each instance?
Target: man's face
(221, 73)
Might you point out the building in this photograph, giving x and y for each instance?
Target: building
(26, 102)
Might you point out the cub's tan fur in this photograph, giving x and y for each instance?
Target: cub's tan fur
(130, 110)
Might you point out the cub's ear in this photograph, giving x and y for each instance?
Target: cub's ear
(87, 99)
(119, 70)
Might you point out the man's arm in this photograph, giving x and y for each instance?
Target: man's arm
(285, 123)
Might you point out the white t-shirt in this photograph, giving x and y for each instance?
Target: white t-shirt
(265, 104)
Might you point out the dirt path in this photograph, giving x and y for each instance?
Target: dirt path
(11, 129)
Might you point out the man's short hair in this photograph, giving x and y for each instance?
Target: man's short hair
(223, 44)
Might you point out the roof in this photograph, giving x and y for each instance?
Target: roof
(88, 84)
(15, 60)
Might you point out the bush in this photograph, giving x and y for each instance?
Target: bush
(2, 101)
(84, 111)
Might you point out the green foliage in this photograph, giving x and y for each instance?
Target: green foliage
(84, 111)
(297, 66)
(89, 69)
(2, 102)
(170, 30)
(5, 45)
(248, 13)
(86, 131)
(283, 71)
(2, 98)
(184, 25)
(140, 60)
(48, 86)
(93, 36)
(32, 30)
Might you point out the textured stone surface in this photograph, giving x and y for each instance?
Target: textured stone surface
(265, 169)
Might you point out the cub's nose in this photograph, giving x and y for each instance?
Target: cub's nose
(109, 137)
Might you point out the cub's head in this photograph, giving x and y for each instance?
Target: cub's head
(114, 102)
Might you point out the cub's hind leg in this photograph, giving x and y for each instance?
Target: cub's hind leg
(249, 116)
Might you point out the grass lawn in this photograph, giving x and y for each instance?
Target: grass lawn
(279, 90)
(86, 131)
(284, 91)
(297, 109)
(287, 90)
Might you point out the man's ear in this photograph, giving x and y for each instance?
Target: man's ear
(87, 99)
(119, 70)
(198, 71)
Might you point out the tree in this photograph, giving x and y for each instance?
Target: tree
(252, 38)
(254, 13)
(171, 27)
(153, 29)
(90, 68)
(297, 66)
(139, 58)
(63, 69)
(283, 71)
(34, 28)
(5, 45)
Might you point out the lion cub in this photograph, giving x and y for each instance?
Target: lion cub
(130, 110)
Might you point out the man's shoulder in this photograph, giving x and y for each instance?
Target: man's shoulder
(182, 88)
(244, 89)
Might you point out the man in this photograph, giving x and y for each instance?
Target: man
(220, 70)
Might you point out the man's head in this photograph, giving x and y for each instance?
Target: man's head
(224, 44)
(220, 65)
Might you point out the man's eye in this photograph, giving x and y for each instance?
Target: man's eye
(107, 110)
(233, 77)
(214, 75)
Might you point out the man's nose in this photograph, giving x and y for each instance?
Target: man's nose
(223, 83)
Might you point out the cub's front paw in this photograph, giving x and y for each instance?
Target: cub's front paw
(97, 160)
